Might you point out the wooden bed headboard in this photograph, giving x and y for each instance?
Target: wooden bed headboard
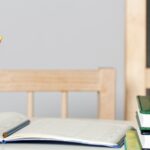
(101, 81)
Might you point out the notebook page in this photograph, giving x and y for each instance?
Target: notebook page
(9, 120)
(97, 132)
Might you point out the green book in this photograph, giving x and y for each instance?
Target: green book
(132, 140)
(144, 104)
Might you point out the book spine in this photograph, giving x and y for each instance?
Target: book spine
(139, 103)
(144, 104)
(125, 144)
(132, 141)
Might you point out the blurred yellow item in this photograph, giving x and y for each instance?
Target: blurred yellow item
(1, 38)
(132, 140)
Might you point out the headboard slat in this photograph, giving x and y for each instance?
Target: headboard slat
(35, 80)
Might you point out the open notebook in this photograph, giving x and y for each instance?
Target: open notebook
(15, 127)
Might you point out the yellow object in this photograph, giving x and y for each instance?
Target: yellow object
(132, 141)
(1, 38)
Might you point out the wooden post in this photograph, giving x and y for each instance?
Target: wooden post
(64, 105)
(106, 95)
(30, 106)
(135, 54)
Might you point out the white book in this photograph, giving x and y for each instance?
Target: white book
(144, 139)
(79, 131)
(144, 119)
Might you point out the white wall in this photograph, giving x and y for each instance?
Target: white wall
(59, 34)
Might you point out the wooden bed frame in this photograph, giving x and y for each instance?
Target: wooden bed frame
(101, 81)
(137, 75)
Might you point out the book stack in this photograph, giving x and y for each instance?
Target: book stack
(140, 139)
(143, 120)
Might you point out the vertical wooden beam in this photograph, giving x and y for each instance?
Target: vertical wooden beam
(64, 106)
(99, 105)
(30, 106)
(135, 54)
(107, 94)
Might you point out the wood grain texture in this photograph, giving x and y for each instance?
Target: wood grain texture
(106, 94)
(101, 80)
(135, 54)
(59, 80)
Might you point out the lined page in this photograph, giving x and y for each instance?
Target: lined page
(9, 120)
(97, 132)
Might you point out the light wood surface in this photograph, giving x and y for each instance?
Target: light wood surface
(107, 92)
(135, 54)
(64, 105)
(49, 80)
(101, 80)
(30, 104)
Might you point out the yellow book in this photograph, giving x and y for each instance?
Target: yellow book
(132, 141)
